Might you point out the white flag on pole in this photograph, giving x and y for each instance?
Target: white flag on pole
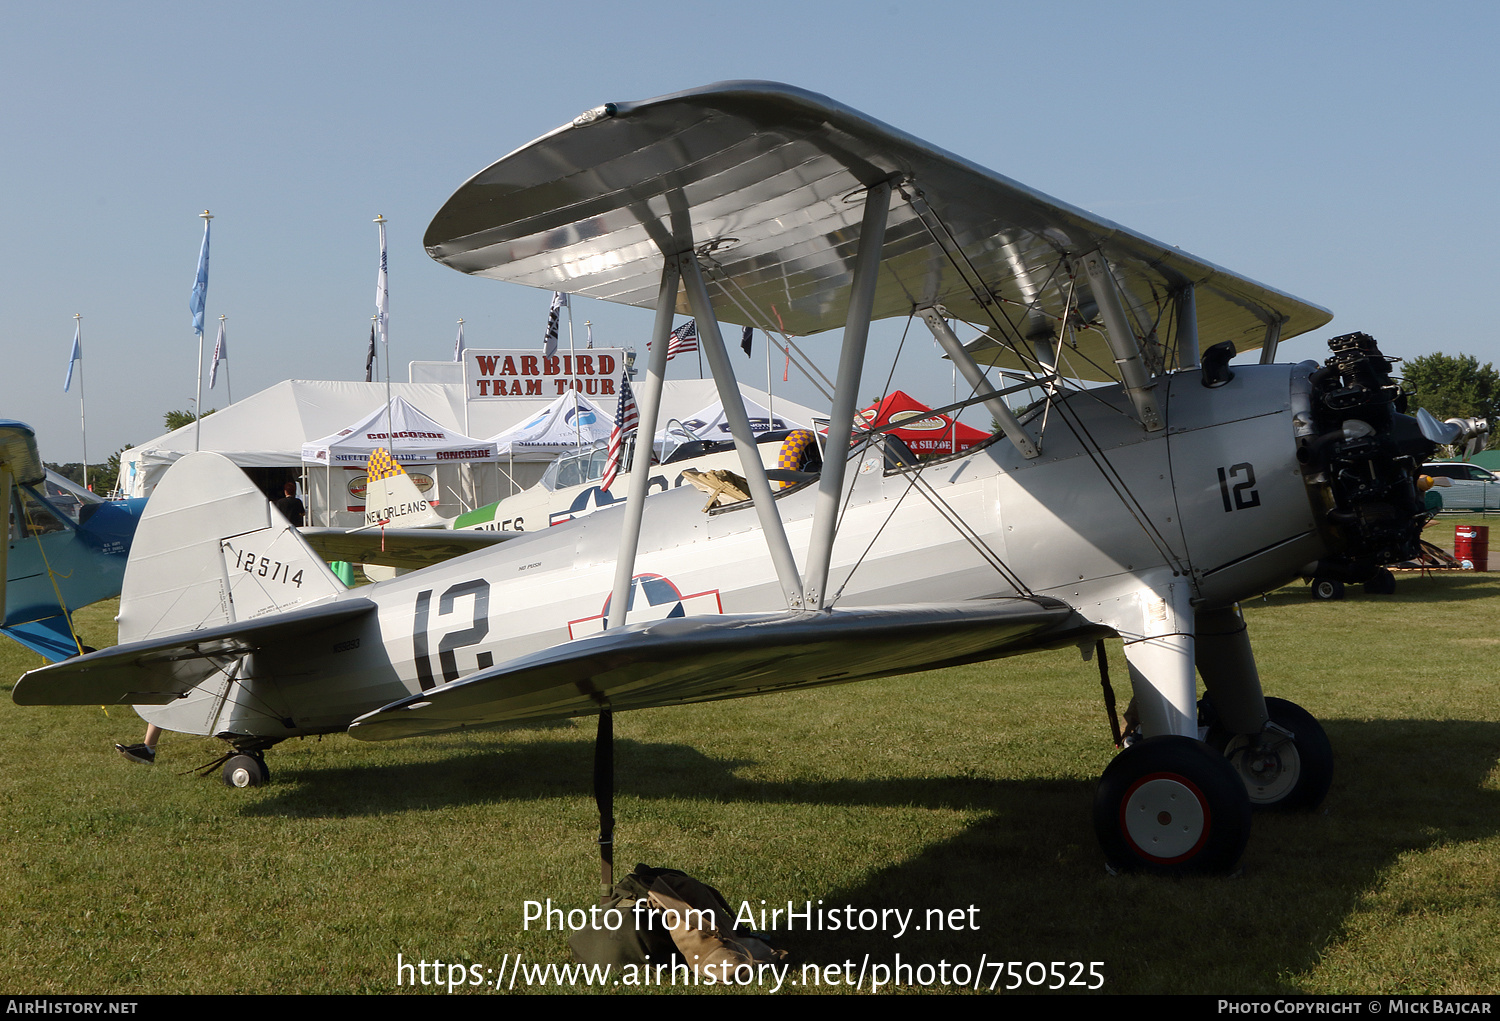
(382, 292)
(221, 354)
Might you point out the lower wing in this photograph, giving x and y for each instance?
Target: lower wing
(701, 658)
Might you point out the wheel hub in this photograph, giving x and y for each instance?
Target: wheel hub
(1165, 817)
(1269, 771)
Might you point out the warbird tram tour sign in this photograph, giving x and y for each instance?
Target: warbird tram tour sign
(529, 373)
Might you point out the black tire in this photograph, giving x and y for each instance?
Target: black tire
(1327, 589)
(245, 770)
(1381, 583)
(1290, 775)
(1171, 806)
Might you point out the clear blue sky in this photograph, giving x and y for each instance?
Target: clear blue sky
(1343, 152)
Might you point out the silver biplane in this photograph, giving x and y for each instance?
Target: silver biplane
(1142, 509)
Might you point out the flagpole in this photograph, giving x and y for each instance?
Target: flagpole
(464, 363)
(201, 297)
(82, 415)
(769, 395)
(383, 310)
(573, 354)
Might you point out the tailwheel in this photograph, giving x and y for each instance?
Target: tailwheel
(246, 770)
(1286, 767)
(1170, 806)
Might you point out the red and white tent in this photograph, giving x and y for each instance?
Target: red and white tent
(922, 431)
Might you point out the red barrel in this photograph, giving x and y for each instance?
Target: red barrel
(1471, 545)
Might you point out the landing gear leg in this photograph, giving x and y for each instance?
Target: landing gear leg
(1276, 747)
(1168, 803)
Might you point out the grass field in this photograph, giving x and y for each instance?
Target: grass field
(963, 787)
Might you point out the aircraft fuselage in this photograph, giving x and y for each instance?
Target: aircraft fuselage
(1215, 501)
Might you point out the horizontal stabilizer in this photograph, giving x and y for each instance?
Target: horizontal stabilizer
(50, 636)
(702, 658)
(158, 670)
(400, 547)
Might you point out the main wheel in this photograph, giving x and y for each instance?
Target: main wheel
(244, 770)
(1281, 773)
(1327, 589)
(1381, 583)
(1171, 805)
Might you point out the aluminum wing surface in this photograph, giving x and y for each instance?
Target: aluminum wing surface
(700, 659)
(766, 182)
(158, 670)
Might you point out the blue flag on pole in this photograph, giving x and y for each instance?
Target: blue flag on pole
(76, 356)
(199, 297)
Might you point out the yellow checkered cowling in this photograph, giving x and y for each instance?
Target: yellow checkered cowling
(793, 451)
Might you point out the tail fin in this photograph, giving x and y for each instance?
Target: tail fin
(212, 550)
(392, 498)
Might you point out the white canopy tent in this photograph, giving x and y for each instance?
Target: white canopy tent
(570, 422)
(265, 433)
(403, 430)
(709, 423)
(447, 466)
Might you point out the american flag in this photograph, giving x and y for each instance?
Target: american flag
(627, 419)
(682, 340)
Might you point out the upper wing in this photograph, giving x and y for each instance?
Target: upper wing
(699, 659)
(764, 180)
(158, 670)
(400, 547)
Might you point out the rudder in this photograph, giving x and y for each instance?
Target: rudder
(212, 550)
